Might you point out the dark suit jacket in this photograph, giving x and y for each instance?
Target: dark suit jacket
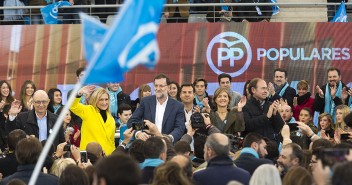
(319, 103)
(8, 165)
(249, 163)
(288, 95)
(174, 116)
(27, 121)
(220, 171)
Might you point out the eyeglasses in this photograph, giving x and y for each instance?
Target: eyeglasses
(160, 86)
(41, 102)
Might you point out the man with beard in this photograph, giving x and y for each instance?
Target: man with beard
(332, 94)
(291, 155)
(251, 156)
(166, 113)
(280, 88)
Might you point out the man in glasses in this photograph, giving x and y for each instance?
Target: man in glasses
(37, 122)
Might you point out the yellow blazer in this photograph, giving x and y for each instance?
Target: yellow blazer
(93, 127)
(184, 10)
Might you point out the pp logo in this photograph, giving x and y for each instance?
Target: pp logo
(230, 53)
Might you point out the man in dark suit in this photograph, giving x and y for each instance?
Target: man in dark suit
(281, 88)
(37, 122)
(168, 114)
(220, 169)
(253, 152)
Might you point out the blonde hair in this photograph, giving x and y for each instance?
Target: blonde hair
(60, 165)
(94, 98)
(345, 111)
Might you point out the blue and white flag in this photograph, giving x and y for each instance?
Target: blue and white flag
(275, 9)
(130, 41)
(50, 11)
(340, 15)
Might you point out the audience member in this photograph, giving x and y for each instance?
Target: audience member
(170, 173)
(287, 114)
(174, 91)
(94, 152)
(26, 95)
(228, 121)
(177, 14)
(225, 82)
(124, 114)
(166, 113)
(60, 165)
(143, 91)
(305, 117)
(302, 99)
(73, 175)
(27, 154)
(329, 96)
(220, 169)
(326, 126)
(297, 175)
(260, 115)
(185, 163)
(291, 155)
(281, 88)
(98, 124)
(55, 97)
(255, 13)
(72, 129)
(182, 148)
(117, 97)
(117, 169)
(8, 164)
(265, 174)
(136, 150)
(6, 94)
(253, 153)
(342, 174)
(201, 97)
(38, 122)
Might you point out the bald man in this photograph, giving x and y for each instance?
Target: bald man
(37, 122)
(220, 169)
(94, 151)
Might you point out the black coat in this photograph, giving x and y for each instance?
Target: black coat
(220, 171)
(24, 173)
(256, 120)
(250, 12)
(27, 121)
(319, 103)
(288, 95)
(8, 165)
(250, 163)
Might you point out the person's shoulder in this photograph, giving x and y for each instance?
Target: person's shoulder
(149, 98)
(52, 115)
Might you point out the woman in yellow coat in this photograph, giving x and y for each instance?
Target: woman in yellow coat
(97, 123)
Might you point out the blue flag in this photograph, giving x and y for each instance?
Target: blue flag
(340, 15)
(50, 11)
(130, 41)
(275, 9)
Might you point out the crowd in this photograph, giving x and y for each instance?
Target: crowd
(172, 14)
(181, 135)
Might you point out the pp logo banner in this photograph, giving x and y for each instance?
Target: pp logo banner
(230, 51)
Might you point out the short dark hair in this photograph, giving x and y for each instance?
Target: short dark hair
(182, 147)
(297, 151)
(334, 69)
(252, 137)
(79, 71)
(118, 169)
(253, 84)
(219, 149)
(136, 150)
(200, 80)
(342, 174)
(153, 147)
(308, 110)
(123, 107)
(73, 175)
(281, 70)
(188, 85)
(161, 76)
(224, 75)
(14, 137)
(28, 150)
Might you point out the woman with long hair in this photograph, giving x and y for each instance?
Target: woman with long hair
(326, 126)
(143, 91)
(226, 120)
(98, 125)
(27, 90)
(6, 94)
(341, 112)
(55, 97)
(175, 90)
(72, 130)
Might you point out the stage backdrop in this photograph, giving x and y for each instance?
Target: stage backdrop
(49, 55)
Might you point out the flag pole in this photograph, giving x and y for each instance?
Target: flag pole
(58, 125)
